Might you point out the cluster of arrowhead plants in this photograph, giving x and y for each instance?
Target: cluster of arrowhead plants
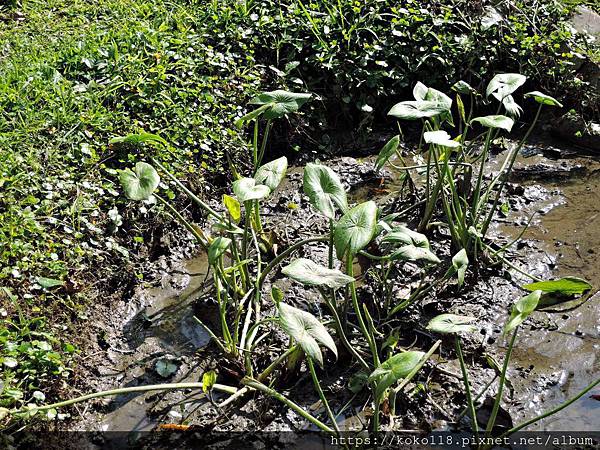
(242, 257)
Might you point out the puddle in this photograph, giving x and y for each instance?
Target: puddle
(565, 350)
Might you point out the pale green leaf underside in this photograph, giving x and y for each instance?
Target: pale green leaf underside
(310, 273)
(140, 183)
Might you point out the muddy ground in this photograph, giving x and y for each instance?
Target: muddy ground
(556, 353)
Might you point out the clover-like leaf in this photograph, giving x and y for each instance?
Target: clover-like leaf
(393, 370)
(306, 330)
(564, 286)
(440, 138)
(280, 103)
(324, 189)
(140, 183)
(460, 262)
(451, 323)
(217, 248)
(495, 121)
(504, 84)
(272, 173)
(247, 189)
(310, 273)
(522, 309)
(543, 98)
(387, 151)
(408, 245)
(355, 229)
(233, 207)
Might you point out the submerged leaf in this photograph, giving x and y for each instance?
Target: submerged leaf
(521, 310)
(394, 369)
(496, 121)
(387, 151)
(306, 330)
(355, 229)
(310, 273)
(565, 286)
(324, 189)
(247, 189)
(272, 173)
(451, 323)
(140, 183)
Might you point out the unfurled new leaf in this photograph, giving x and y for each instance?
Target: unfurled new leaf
(460, 262)
(393, 370)
(521, 310)
(217, 248)
(387, 151)
(233, 207)
(408, 245)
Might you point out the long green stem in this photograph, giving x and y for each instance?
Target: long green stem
(313, 373)
(361, 322)
(290, 404)
(128, 390)
(501, 382)
(552, 411)
(465, 374)
(183, 221)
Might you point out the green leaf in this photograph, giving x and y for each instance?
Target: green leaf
(140, 138)
(233, 207)
(276, 295)
(506, 123)
(306, 330)
(310, 273)
(48, 283)
(409, 245)
(393, 370)
(543, 98)
(387, 151)
(511, 107)
(140, 183)
(355, 229)
(280, 102)
(440, 138)
(565, 286)
(521, 310)
(272, 173)
(462, 87)
(208, 381)
(451, 323)
(247, 189)
(324, 189)
(504, 84)
(217, 248)
(417, 109)
(460, 262)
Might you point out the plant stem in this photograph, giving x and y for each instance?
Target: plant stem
(183, 221)
(128, 390)
(465, 375)
(361, 322)
(313, 373)
(331, 230)
(552, 411)
(265, 373)
(496, 407)
(297, 409)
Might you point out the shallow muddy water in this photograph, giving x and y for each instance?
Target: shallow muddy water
(556, 356)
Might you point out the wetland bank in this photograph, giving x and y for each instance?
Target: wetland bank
(221, 276)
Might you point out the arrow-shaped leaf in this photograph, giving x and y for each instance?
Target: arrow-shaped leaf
(247, 189)
(393, 370)
(140, 183)
(324, 189)
(310, 273)
(272, 173)
(355, 229)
